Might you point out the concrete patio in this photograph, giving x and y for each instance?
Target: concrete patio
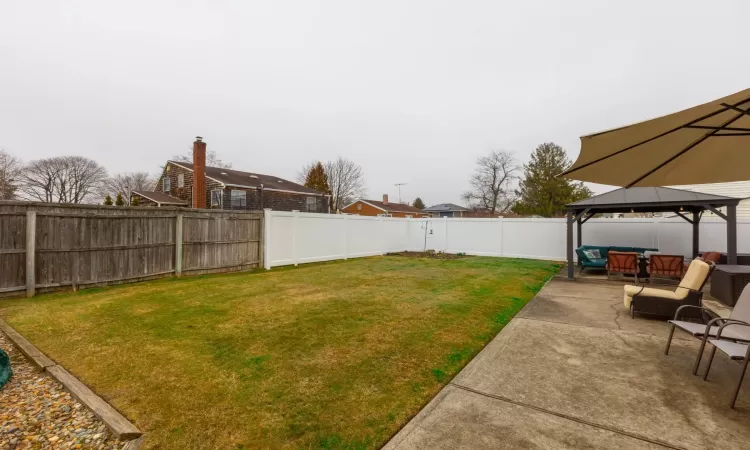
(574, 370)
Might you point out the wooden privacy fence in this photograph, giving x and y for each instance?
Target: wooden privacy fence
(46, 246)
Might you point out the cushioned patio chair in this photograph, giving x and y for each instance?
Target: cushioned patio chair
(711, 323)
(666, 266)
(660, 302)
(712, 257)
(622, 262)
(735, 350)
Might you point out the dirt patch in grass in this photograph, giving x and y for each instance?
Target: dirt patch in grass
(331, 355)
(431, 254)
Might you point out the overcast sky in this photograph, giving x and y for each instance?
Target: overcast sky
(413, 91)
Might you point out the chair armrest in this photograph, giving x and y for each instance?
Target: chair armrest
(729, 323)
(677, 313)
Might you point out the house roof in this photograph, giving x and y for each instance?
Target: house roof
(391, 207)
(653, 199)
(160, 197)
(238, 178)
(445, 207)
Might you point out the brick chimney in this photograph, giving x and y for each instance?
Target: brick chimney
(385, 199)
(199, 173)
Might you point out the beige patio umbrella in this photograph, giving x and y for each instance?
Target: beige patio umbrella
(709, 143)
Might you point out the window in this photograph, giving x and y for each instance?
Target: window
(167, 184)
(181, 180)
(312, 204)
(359, 206)
(216, 198)
(239, 199)
(385, 215)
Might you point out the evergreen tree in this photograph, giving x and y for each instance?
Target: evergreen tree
(135, 201)
(108, 200)
(317, 179)
(542, 191)
(418, 203)
(119, 201)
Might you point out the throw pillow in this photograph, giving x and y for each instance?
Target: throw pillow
(597, 254)
(588, 254)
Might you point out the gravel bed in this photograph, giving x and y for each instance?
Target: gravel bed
(37, 413)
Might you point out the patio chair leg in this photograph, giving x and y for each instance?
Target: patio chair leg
(739, 382)
(669, 340)
(710, 361)
(700, 355)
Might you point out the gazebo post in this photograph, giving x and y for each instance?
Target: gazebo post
(569, 232)
(579, 227)
(696, 233)
(731, 234)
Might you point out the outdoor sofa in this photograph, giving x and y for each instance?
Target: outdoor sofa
(660, 302)
(586, 262)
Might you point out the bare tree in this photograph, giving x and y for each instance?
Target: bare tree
(62, 179)
(126, 183)
(38, 180)
(212, 159)
(10, 174)
(346, 180)
(492, 183)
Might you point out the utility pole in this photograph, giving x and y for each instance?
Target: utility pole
(399, 190)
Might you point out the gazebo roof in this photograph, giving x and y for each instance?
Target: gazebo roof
(651, 199)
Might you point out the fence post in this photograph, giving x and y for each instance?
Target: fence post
(30, 253)
(295, 257)
(345, 234)
(502, 233)
(178, 246)
(445, 231)
(266, 238)
(382, 236)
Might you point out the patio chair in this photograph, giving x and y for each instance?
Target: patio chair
(735, 350)
(659, 302)
(712, 323)
(622, 262)
(666, 266)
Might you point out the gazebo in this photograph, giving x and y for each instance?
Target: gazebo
(685, 204)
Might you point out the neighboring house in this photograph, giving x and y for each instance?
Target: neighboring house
(383, 209)
(214, 187)
(446, 210)
(736, 189)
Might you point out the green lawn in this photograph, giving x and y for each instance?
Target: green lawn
(332, 355)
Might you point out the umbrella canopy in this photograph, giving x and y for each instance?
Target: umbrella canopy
(709, 143)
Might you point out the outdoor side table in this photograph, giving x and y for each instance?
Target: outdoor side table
(727, 281)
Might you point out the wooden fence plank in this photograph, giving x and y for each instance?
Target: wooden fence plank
(30, 255)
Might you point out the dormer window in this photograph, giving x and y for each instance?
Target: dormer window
(167, 184)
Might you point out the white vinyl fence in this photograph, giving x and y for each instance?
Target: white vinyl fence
(297, 238)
